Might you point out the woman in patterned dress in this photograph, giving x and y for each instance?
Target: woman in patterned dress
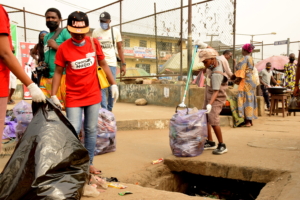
(247, 103)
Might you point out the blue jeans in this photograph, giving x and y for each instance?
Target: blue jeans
(108, 102)
(74, 115)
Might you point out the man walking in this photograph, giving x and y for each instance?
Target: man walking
(110, 40)
(265, 77)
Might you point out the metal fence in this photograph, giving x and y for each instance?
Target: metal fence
(26, 22)
(155, 35)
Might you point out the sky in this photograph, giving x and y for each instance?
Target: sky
(253, 17)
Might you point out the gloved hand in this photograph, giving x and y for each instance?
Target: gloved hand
(36, 93)
(208, 108)
(114, 92)
(56, 101)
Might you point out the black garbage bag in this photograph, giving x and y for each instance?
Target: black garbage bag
(49, 161)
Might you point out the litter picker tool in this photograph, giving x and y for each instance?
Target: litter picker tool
(182, 105)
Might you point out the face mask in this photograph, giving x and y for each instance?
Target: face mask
(211, 67)
(78, 41)
(52, 25)
(104, 26)
(292, 60)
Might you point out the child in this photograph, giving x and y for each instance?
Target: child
(215, 97)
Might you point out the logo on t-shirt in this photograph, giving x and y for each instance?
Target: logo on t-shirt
(83, 63)
(106, 44)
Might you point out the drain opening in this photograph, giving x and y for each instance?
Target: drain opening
(217, 188)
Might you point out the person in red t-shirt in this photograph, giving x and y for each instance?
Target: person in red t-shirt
(9, 62)
(77, 55)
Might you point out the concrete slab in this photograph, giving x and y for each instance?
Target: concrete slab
(149, 117)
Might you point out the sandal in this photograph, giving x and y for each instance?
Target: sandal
(11, 102)
(246, 126)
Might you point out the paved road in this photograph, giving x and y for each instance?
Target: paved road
(272, 144)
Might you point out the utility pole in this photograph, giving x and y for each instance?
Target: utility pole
(156, 48)
(262, 50)
(190, 47)
(288, 46)
(211, 38)
(181, 36)
(234, 32)
(24, 17)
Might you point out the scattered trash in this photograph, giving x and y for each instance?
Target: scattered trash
(98, 181)
(90, 191)
(106, 136)
(117, 185)
(124, 193)
(111, 179)
(157, 161)
(48, 162)
(93, 188)
(188, 132)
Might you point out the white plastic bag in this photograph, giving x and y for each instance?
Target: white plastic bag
(23, 113)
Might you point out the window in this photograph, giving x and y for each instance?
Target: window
(176, 48)
(146, 67)
(127, 42)
(143, 43)
(164, 46)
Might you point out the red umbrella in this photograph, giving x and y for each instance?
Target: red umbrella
(277, 62)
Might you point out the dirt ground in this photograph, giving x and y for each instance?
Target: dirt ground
(267, 152)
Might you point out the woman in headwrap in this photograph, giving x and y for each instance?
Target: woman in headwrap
(247, 104)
